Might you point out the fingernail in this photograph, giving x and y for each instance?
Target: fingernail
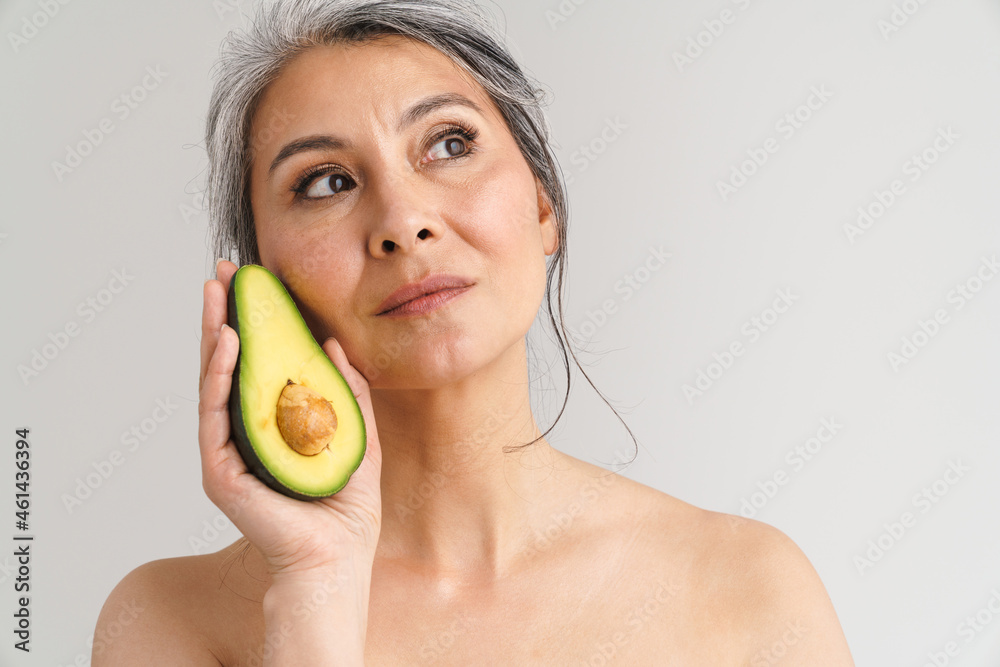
(217, 262)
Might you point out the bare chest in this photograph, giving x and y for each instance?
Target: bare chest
(651, 624)
(646, 622)
(635, 597)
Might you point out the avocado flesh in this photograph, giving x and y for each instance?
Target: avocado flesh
(276, 346)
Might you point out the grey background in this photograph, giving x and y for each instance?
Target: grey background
(133, 205)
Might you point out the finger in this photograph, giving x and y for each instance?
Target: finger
(214, 312)
(213, 411)
(224, 270)
(213, 315)
(359, 386)
(357, 383)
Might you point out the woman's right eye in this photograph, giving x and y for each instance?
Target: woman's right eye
(323, 185)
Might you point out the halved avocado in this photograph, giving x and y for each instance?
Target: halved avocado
(294, 418)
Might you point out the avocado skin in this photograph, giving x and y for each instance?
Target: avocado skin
(238, 432)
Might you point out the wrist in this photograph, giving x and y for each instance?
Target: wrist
(302, 608)
(354, 565)
(341, 583)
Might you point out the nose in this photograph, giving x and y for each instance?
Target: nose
(405, 217)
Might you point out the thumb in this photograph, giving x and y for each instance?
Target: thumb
(362, 392)
(355, 380)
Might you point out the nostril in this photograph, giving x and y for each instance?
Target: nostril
(422, 234)
(388, 246)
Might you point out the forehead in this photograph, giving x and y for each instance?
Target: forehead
(343, 85)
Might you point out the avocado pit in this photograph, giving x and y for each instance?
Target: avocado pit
(306, 420)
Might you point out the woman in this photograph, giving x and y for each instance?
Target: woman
(388, 162)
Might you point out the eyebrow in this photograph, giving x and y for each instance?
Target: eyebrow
(317, 142)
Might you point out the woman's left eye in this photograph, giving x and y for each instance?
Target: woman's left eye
(456, 144)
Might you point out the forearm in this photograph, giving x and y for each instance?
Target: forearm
(318, 618)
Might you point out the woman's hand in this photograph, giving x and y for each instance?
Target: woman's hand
(297, 539)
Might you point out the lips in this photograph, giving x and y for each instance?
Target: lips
(429, 285)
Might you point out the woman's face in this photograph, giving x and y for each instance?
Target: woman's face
(387, 192)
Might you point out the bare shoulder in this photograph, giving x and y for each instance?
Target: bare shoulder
(161, 613)
(754, 581)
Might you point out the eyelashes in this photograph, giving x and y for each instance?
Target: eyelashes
(305, 181)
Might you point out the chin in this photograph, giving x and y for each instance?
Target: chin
(434, 365)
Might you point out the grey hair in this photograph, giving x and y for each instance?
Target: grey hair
(460, 29)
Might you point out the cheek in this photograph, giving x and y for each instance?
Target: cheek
(499, 211)
(294, 249)
(298, 243)
(316, 269)
(503, 225)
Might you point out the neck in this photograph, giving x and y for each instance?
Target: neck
(453, 502)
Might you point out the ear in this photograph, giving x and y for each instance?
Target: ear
(548, 224)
